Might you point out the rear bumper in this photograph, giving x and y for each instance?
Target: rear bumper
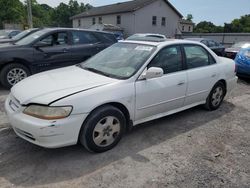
(45, 133)
(231, 84)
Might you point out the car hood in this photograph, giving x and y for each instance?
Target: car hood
(47, 87)
(5, 47)
(6, 40)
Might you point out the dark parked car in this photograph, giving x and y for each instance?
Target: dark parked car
(19, 36)
(49, 49)
(234, 49)
(213, 45)
(8, 34)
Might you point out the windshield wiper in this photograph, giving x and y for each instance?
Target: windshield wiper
(97, 71)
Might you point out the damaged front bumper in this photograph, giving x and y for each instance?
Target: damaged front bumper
(45, 133)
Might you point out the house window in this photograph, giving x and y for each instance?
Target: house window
(79, 23)
(189, 28)
(118, 19)
(100, 20)
(93, 21)
(163, 21)
(183, 28)
(154, 20)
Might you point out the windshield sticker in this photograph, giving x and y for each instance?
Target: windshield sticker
(144, 48)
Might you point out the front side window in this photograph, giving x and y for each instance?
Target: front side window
(121, 60)
(81, 37)
(211, 43)
(154, 20)
(169, 59)
(197, 56)
(55, 39)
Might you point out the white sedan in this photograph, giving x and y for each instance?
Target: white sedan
(127, 84)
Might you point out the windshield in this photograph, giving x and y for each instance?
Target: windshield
(122, 60)
(29, 39)
(241, 45)
(21, 35)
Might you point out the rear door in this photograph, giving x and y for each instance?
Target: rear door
(53, 53)
(84, 45)
(202, 73)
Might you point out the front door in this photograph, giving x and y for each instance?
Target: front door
(155, 97)
(53, 52)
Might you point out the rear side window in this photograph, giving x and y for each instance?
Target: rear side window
(82, 37)
(106, 37)
(196, 56)
(211, 43)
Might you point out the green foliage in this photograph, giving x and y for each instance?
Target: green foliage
(190, 17)
(241, 25)
(14, 11)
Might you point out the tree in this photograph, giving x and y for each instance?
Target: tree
(239, 25)
(12, 11)
(63, 12)
(205, 27)
(190, 17)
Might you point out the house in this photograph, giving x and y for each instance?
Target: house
(186, 26)
(137, 16)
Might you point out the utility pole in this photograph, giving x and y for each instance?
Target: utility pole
(30, 22)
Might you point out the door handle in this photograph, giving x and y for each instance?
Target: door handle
(181, 83)
(214, 75)
(65, 50)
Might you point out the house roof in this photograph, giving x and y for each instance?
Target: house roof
(128, 6)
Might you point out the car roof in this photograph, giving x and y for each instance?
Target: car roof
(72, 29)
(197, 39)
(162, 43)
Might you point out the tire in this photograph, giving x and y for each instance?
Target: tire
(13, 73)
(216, 97)
(103, 129)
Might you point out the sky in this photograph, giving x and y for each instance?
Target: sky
(216, 11)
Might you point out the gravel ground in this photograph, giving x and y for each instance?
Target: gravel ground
(194, 148)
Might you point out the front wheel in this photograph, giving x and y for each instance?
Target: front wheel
(13, 73)
(103, 129)
(216, 96)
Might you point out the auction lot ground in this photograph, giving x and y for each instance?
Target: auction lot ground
(194, 148)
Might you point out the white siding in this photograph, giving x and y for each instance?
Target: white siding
(126, 22)
(184, 27)
(160, 9)
(140, 21)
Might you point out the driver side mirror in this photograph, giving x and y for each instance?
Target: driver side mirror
(152, 72)
(41, 44)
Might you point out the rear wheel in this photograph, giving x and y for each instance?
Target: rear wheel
(216, 96)
(103, 129)
(13, 73)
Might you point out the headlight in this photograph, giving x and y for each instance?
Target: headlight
(48, 112)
